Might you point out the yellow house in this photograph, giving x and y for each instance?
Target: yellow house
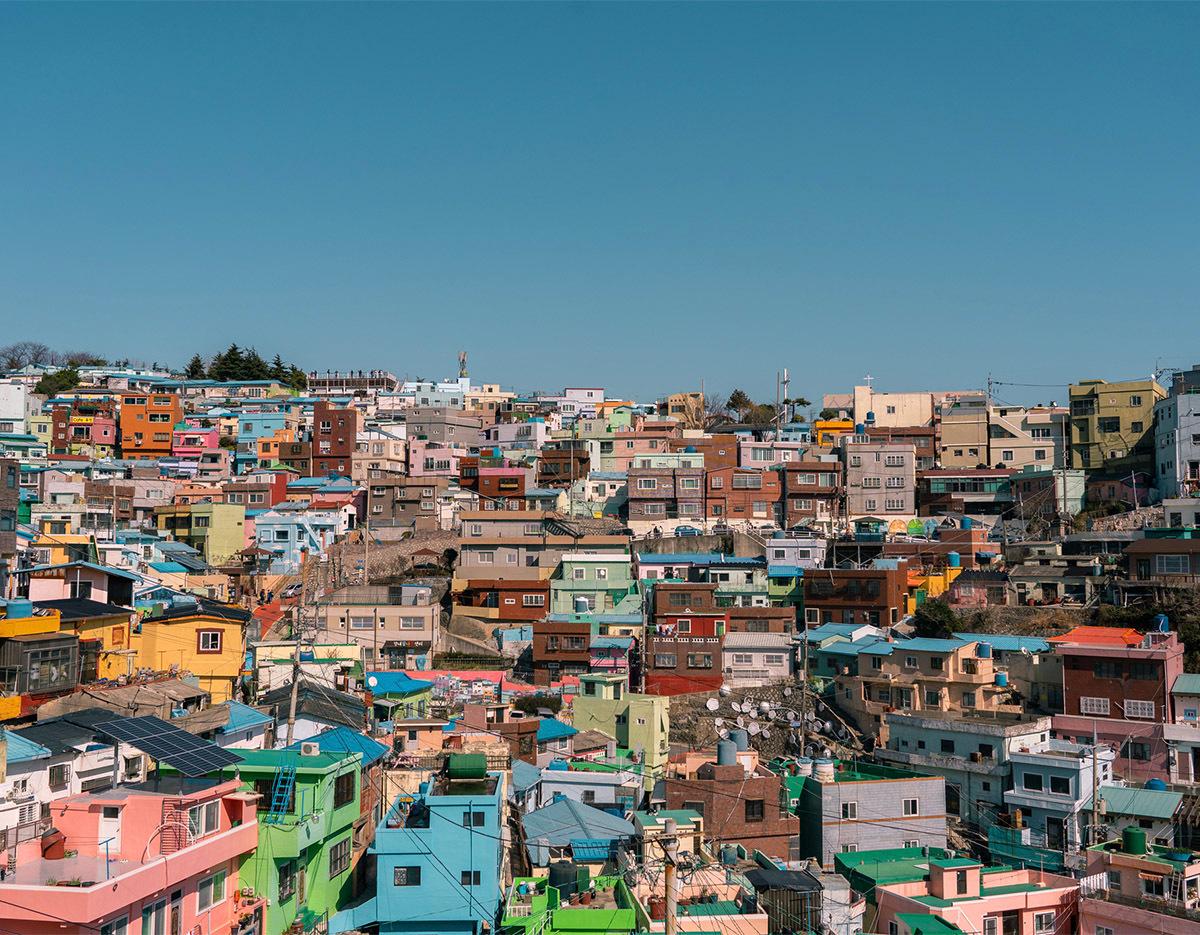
(58, 545)
(204, 638)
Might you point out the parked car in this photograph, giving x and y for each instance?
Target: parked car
(686, 531)
(721, 529)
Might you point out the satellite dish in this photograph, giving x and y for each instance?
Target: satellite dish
(718, 721)
(766, 735)
(753, 728)
(764, 707)
(372, 681)
(829, 725)
(791, 715)
(741, 721)
(725, 690)
(825, 752)
(712, 704)
(724, 735)
(787, 691)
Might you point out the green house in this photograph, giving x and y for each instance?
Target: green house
(599, 584)
(305, 831)
(532, 906)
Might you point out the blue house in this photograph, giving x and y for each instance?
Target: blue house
(251, 427)
(438, 857)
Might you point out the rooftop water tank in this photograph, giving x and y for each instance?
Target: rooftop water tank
(689, 450)
(581, 605)
(564, 876)
(824, 770)
(741, 738)
(804, 766)
(870, 417)
(726, 753)
(729, 855)
(983, 650)
(953, 559)
(19, 607)
(466, 765)
(1001, 679)
(860, 429)
(967, 522)
(558, 765)
(1133, 840)
(1162, 623)
(778, 534)
(1156, 784)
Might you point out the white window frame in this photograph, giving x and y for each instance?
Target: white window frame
(210, 891)
(911, 807)
(1093, 705)
(1144, 710)
(849, 811)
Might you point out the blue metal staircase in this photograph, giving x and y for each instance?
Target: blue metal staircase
(281, 794)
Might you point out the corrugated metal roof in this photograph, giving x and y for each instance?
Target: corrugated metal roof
(1186, 684)
(1143, 803)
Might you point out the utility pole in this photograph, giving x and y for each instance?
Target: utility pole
(298, 627)
(1092, 838)
(670, 846)
(987, 415)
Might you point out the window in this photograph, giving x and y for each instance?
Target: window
(664, 660)
(933, 698)
(1152, 886)
(1141, 709)
(533, 600)
(115, 927)
(1114, 880)
(204, 819)
(1060, 785)
(343, 790)
(469, 878)
(1103, 930)
(208, 641)
(1093, 705)
(1171, 565)
(472, 819)
(936, 663)
(1135, 400)
(210, 891)
(1106, 669)
(849, 811)
(754, 810)
(1132, 750)
(60, 775)
(1006, 455)
(968, 699)
(1032, 782)
(339, 858)
(849, 848)
(578, 573)
(700, 660)
(911, 807)
(647, 483)
(486, 558)
(947, 745)
(914, 842)
(1039, 454)
(154, 918)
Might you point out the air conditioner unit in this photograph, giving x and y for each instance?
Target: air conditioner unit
(310, 748)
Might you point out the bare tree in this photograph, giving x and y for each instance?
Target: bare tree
(22, 353)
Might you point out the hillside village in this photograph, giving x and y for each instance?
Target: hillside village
(293, 651)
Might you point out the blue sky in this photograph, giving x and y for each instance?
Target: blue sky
(636, 195)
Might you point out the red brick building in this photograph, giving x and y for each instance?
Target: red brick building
(812, 492)
(334, 439)
(748, 809)
(720, 451)
(514, 599)
(876, 596)
(560, 648)
(743, 494)
(683, 643)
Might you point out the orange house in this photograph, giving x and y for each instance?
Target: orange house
(146, 421)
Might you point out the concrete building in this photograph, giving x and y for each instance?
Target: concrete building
(881, 477)
(395, 626)
(974, 433)
(1112, 425)
(1177, 443)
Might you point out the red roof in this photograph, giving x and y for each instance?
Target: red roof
(1099, 636)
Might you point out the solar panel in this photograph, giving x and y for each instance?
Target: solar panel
(170, 744)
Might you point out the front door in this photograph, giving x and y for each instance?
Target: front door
(1054, 833)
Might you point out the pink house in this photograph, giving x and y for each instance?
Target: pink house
(161, 856)
(1132, 888)
(960, 892)
(189, 441)
(433, 459)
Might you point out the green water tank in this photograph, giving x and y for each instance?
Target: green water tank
(466, 766)
(1133, 840)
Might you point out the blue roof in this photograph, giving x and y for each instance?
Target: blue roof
(395, 683)
(243, 717)
(525, 775)
(844, 648)
(1007, 644)
(345, 740)
(826, 630)
(553, 729)
(596, 618)
(21, 750)
(612, 642)
(785, 571)
(174, 567)
(107, 569)
(878, 647)
(566, 820)
(924, 645)
(698, 558)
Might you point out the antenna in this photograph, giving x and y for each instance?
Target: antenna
(462, 363)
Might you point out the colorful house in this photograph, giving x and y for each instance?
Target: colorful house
(197, 635)
(307, 811)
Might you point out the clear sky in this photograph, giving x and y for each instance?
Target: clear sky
(633, 195)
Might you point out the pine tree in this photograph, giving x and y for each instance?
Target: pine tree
(227, 366)
(195, 368)
(253, 366)
(279, 370)
(297, 379)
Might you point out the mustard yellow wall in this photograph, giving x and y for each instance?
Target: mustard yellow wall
(162, 644)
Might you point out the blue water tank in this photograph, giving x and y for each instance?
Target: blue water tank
(689, 450)
(1001, 679)
(726, 753)
(729, 855)
(983, 650)
(581, 605)
(870, 417)
(953, 559)
(1156, 785)
(860, 429)
(1162, 623)
(19, 607)
(968, 523)
(558, 765)
(741, 738)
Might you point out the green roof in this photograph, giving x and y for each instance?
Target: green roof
(274, 759)
(1186, 684)
(928, 924)
(682, 816)
(952, 863)
(1144, 803)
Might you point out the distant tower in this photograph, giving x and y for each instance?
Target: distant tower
(462, 363)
